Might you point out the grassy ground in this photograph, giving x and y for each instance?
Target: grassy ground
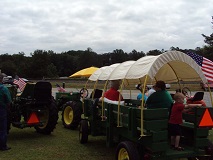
(61, 144)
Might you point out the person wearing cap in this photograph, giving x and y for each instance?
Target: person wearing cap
(5, 100)
(161, 98)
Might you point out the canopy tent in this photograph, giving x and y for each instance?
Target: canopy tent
(121, 70)
(96, 74)
(84, 72)
(171, 66)
(106, 73)
(103, 72)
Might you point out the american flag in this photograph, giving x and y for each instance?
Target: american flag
(205, 64)
(59, 88)
(20, 82)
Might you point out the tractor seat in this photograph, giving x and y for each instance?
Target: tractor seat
(43, 92)
(197, 97)
(97, 94)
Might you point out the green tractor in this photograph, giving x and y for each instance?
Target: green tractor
(34, 107)
(70, 103)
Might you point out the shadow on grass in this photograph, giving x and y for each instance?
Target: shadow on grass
(26, 134)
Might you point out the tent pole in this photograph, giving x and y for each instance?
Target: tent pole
(210, 93)
(142, 106)
(118, 125)
(102, 103)
(83, 96)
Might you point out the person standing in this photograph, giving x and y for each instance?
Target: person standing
(175, 119)
(5, 100)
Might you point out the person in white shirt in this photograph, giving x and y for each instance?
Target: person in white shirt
(150, 91)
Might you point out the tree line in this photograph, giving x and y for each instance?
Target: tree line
(49, 64)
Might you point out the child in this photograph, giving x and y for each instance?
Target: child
(140, 95)
(175, 120)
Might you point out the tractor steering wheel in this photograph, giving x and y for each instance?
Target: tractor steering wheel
(186, 91)
(84, 92)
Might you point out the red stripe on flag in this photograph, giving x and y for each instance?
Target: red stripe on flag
(207, 68)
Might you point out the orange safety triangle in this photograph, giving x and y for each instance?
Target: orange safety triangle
(33, 118)
(206, 120)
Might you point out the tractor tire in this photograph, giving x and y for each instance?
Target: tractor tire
(71, 115)
(83, 131)
(50, 116)
(127, 150)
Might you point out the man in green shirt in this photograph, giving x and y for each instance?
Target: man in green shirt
(161, 98)
(5, 100)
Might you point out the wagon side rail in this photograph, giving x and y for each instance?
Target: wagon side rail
(155, 126)
(196, 126)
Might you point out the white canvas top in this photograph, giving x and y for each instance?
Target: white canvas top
(103, 72)
(106, 73)
(121, 70)
(96, 74)
(171, 66)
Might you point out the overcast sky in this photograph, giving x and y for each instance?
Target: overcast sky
(103, 25)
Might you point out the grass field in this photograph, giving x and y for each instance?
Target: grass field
(61, 144)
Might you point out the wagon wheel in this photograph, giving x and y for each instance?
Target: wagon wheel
(127, 150)
(83, 131)
(84, 92)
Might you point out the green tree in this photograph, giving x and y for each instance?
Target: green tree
(207, 50)
(52, 71)
(118, 56)
(135, 55)
(154, 52)
(8, 67)
(209, 39)
(40, 61)
(22, 64)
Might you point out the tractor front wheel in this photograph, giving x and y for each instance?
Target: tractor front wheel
(127, 151)
(71, 115)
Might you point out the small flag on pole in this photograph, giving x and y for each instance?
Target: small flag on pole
(59, 88)
(20, 82)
